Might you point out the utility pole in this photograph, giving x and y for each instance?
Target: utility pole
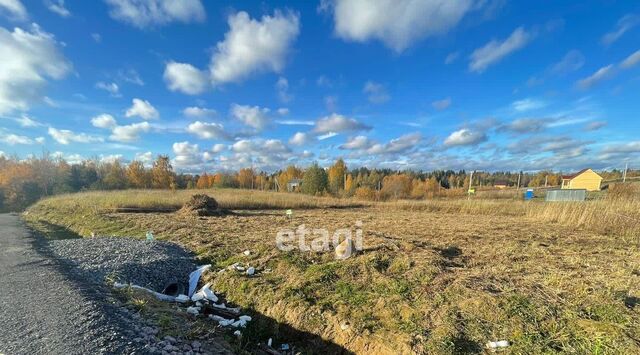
(546, 178)
(518, 187)
(624, 175)
(470, 181)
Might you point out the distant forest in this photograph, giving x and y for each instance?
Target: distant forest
(22, 182)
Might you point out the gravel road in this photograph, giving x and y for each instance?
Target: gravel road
(54, 300)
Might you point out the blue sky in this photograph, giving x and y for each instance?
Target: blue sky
(437, 84)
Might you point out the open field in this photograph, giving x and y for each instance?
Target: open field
(440, 276)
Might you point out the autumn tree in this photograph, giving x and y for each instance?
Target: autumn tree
(203, 181)
(245, 178)
(337, 174)
(137, 175)
(396, 186)
(162, 176)
(290, 173)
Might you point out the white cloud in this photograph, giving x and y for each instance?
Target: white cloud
(397, 23)
(28, 59)
(13, 139)
(572, 61)
(526, 125)
(152, 13)
(282, 86)
(40, 140)
(104, 121)
(496, 50)
(631, 60)
(27, 122)
(129, 133)
(442, 104)
(451, 57)
(595, 125)
(57, 7)
(186, 155)
(295, 123)
(376, 93)
(130, 76)
(465, 136)
(142, 109)
(357, 143)
(626, 23)
(146, 158)
(255, 116)
(299, 138)
(527, 104)
(111, 88)
(283, 111)
(199, 112)
(65, 136)
(600, 75)
(206, 130)
(331, 103)
(13, 9)
(336, 123)
(218, 148)
(96, 37)
(185, 78)
(254, 46)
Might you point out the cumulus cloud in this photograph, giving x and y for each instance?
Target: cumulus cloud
(186, 155)
(13, 9)
(631, 60)
(199, 112)
(146, 158)
(336, 123)
(111, 88)
(206, 130)
(451, 57)
(58, 8)
(299, 138)
(623, 25)
(357, 143)
(218, 148)
(376, 93)
(142, 109)
(600, 75)
(153, 13)
(362, 145)
(283, 111)
(29, 58)
(27, 122)
(129, 133)
(465, 137)
(104, 121)
(397, 23)
(255, 116)
(441, 104)
(496, 50)
(595, 125)
(185, 78)
(65, 136)
(254, 46)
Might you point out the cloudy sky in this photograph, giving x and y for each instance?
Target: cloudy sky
(433, 84)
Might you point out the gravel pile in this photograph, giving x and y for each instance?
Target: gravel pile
(151, 264)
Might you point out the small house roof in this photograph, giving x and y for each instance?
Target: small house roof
(571, 176)
(294, 181)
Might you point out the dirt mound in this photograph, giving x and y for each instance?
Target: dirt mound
(201, 205)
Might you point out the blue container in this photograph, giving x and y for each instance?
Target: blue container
(528, 195)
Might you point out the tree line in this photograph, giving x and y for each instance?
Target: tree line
(22, 182)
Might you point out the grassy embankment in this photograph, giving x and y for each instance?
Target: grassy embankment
(436, 276)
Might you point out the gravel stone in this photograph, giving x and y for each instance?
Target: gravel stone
(151, 264)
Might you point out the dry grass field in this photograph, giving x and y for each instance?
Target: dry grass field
(434, 277)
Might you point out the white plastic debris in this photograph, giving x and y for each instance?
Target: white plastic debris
(251, 271)
(245, 318)
(198, 304)
(239, 323)
(247, 252)
(497, 344)
(193, 310)
(237, 333)
(182, 298)
(194, 277)
(208, 293)
(269, 342)
(197, 297)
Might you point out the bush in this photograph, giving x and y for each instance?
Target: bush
(623, 191)
(365, 193)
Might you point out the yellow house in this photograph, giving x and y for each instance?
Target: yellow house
(583, 179)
